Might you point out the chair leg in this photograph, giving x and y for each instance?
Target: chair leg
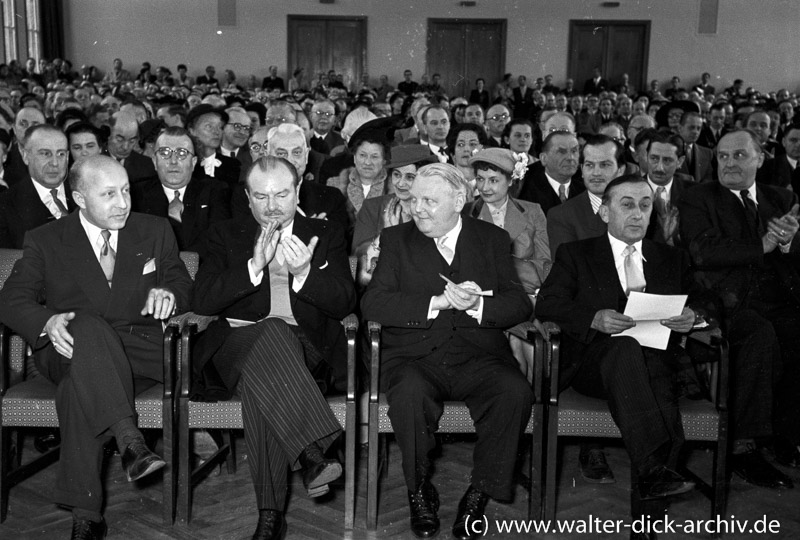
(5, 465)
(184, 466)
(720, 481)
(350, 434)
(372, 469)
(551, 456)
(168, 488)
(230, 460)
(535, 497)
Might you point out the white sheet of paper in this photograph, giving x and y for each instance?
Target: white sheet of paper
(648, 310)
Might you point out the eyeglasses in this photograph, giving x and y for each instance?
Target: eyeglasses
(241, 127)
(257, 148)
(326, 114)
(166, 152)
(499, 117)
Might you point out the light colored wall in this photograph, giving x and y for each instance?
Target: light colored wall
(757, 41)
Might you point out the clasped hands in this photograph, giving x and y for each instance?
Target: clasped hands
(458, 297)
(781, 231)
(295, 252)
(612, 322)
(160, 304)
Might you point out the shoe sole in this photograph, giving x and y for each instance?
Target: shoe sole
(686, 488)
(156, 465)
(762, 484)
(319, 486)
(604, 480)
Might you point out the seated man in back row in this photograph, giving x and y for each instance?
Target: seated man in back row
(586, 293)
(442, 341)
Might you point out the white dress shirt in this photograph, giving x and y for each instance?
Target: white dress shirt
(47, 197)
(618, 248)
(555, 184)
(94, 234)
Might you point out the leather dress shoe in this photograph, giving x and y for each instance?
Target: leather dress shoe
(83, 529)
(471, 508)
(594, 467)
(424, 504)
(663, 482)
(319, 472)
(786, 453)
(138, 461)
(45, 443)
(754, 469)
(271, 525)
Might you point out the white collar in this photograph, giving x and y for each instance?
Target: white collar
(451, 236)
(667, 187)
(93, 233)
(618, 247)
(44, 192)
(555, 183)
(170, 192)
(752, 190)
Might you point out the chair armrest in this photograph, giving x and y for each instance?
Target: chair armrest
(350, 324)
(170, 359)
(549, 333)
(375, 360)
(201, 321)
(5, 358)
(184, 365)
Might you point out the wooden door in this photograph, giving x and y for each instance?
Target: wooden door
(616, 47)
(463, 50)
(319, 44)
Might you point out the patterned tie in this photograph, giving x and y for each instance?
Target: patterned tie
(750, 210)
(562, 193)
(61, 208)
(690, 158)
(633, 276)
(176, 207)
(444, 250)
(107, 256)
(661, 201)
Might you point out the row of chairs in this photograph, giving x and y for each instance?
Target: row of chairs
(29, 402)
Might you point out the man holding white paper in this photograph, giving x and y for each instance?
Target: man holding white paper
(586, 294)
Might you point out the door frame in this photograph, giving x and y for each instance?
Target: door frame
(360, 18)
(460, 20)
(574, 23)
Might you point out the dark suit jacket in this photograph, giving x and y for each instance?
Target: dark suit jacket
(228, 171)
(203, 79)
(574, 220)
(591, 87)
(481, 98)
(781, 171)
(703, 169)
(523, 104)
(205, 202)
(22, 210)
(138, 167)
(708, 139)
(407, 276)
(59, 272)
(223, 286)
(536, 188)
(655, 232)
(584, 280)
(15, 169)
(325, 145)
(268, 83)
(726, 254)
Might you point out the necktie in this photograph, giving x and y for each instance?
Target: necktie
(562, 193)
(445, 251)
(661, 201)
(690, 157)
(750, 210)
(61, 208)
(176, 207)
(107, 256)
(633, 276)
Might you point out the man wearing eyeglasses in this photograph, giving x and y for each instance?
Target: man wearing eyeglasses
(192, 204)
(121, 143)
(497, 117)
(323, 118)
(235, 135)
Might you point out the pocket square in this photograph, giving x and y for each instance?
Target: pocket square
(324, 266)
(203, 206)
(149, 266)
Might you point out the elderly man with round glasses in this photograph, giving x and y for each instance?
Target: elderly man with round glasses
(192, 203)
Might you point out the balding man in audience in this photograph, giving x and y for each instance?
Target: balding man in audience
(553, 183)
(192, 204)
(637, 124)
(15, 167)
(323, 119)
(742, 237)
(699, 160)
(91, 294)
(122, 140)
(280, 112)
(42, 197)
(441, 341)
(497, 117)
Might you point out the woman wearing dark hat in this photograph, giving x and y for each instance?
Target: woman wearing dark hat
(463, 141)
(392, 208)
(496, 171)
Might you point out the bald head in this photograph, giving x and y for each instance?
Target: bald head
(124, 135)
(100, 188)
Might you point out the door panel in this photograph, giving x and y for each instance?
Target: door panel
(485, 45)
(626, 54)
(319, 44)
(447, 57)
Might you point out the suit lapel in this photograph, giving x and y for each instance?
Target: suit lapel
(654, 268)
(515, 222)
(605, 271)
(131, 258)
(83, 263)
(31, 208)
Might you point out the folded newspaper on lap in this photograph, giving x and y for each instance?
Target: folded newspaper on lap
(648, 310)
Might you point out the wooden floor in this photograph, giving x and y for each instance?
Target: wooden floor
(225, 504)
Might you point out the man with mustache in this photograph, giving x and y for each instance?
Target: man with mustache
(742, 239)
